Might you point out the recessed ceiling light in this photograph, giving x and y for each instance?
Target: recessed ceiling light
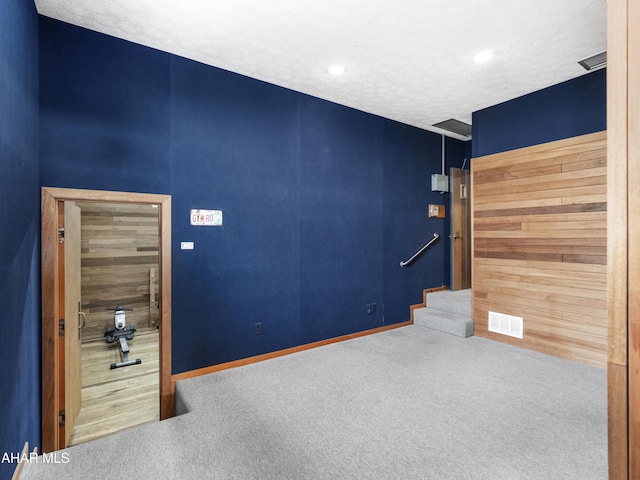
(336, 70)
(483, 56)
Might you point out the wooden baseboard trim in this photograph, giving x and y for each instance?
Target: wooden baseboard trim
(25, 455)
(424, 299)
(281, 353)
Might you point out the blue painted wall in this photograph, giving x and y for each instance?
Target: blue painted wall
(104, 112)
(320, 201)
(404, 227)
(568, 109)
(20, 220)
(234, 148)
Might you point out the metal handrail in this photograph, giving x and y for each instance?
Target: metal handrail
(424, 247)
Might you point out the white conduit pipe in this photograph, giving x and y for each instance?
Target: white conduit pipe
(443, 154)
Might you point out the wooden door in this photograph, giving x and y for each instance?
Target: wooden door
(460, 238)
(72, 376)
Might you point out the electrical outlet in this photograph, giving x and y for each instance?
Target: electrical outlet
(258, 328)
(371, 308)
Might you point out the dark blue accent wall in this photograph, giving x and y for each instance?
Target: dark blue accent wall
(234, 148)
(340, 220)
(568, 109)
(20, 220)
(320, 202)
(104, 112)
(407, 151)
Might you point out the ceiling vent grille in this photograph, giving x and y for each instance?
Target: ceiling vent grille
(594, 62)
(455, 126)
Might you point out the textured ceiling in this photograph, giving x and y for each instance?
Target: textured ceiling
(408, 60)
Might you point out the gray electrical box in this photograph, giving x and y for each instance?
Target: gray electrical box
(439, 183)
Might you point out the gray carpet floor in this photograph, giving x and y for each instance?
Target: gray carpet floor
(409, 403)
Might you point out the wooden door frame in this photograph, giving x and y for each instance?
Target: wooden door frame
(455, 204)
(623, 242)
(51, 290)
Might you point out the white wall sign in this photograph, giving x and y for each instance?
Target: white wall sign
(206, 217)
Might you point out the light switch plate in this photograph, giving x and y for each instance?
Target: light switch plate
(436, 211)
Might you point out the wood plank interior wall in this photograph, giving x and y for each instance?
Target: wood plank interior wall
(119, 256)
(540, 245)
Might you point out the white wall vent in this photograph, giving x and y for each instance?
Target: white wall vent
(506, 324)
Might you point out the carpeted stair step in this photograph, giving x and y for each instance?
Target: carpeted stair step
(448, 301)
(447, 322)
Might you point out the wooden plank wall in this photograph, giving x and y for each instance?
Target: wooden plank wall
(119, 248)
(540, 245)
